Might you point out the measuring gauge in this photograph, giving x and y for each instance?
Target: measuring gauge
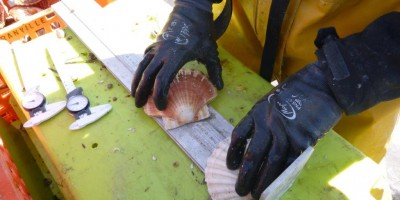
(35, 103)
(33, 100)
(77, 103)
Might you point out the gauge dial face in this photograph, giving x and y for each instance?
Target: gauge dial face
(77, 103)
(33, 100)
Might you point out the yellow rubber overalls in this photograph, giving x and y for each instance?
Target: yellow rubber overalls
(370, 130)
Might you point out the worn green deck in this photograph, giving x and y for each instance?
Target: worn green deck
(126, 155)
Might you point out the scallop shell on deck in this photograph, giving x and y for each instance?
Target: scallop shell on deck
(221, 180)
(2, 16)
(21, 12)
(25, 2)
(188, 96)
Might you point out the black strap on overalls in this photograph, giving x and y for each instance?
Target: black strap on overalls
(272, 37)
(222, 21)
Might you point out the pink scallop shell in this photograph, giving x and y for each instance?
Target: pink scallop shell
(188, 96)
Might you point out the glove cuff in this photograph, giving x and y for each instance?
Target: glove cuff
(350, 84)
(205, 5)
(362, 69)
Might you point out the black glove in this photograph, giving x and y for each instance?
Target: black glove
(362, 69)
(352, 75)
(188, 35)
(281, 125)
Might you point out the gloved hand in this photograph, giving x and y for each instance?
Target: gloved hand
(362, 69)
(351, 75)
(188, 35)
(281, 125)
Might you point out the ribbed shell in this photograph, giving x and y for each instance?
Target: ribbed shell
(25, 2)
(20, 12)
(220, 180)
(2, 16)
(188, 96)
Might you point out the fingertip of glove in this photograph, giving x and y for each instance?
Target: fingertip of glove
(233, 160)
(232, 163)
(140, 102)
(241, 190)
(231, 166)
(160, 97)
(161, 104)
(258, 190)
(217, 82)
(219, 85)
(256, 195)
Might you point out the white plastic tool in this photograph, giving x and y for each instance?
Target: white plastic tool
(35, 103)
(78, 105)
(33, 100)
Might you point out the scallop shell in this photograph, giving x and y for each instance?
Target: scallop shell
(25, 2)
(2, 16)
(188, 96)
(220, 180)
(20, 12)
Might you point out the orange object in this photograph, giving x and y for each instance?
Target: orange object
(40, 23)
(104, 3)
(11, 184)
(6, 111)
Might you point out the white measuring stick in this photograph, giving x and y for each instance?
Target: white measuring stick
(62, 73)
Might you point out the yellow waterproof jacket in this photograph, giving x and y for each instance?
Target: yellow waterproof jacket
(368, 131)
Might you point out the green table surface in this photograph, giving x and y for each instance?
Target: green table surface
(126, 155)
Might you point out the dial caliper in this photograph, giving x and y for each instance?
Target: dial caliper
(33, 100)
(78, 105)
